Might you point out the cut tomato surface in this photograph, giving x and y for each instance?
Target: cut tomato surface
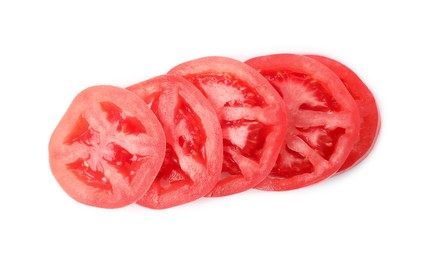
(252, 116)
(107, 148)
(369, 113)
(323, 120)
(194, 147)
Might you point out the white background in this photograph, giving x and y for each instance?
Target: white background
(51, 50)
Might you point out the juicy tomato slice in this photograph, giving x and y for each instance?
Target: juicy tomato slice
(369, 113)
(252, 116)
(194, 147)
(107, 148)
(323, 120)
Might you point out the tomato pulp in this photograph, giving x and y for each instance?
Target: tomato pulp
(369, 113)
(107, 148)
(323, 120)
(252, 116)
(194, 148)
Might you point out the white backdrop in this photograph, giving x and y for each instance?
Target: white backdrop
(51, 50)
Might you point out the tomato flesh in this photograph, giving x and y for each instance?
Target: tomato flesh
(240, 135)
(100, 151)
(304, 93)
(193, 160)
(191, 141)
(323, 120)
(243, 135)
(251, 114)
(370, 119)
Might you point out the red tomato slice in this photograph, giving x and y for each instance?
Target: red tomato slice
(252, 116)
(370, 119)
(194, 147)
(323, 120)
(107, 148)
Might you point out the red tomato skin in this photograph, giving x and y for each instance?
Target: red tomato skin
(171, 88)
(66, 153)
(369, 112)
(333, 85)
(223, 66)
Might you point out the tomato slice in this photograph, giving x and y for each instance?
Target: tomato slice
(107, 148)
(369, 113)
(323, 120)
(252, 116)
(194, 147)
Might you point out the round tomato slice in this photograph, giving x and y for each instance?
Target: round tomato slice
(252, 116)
(323, 120)
(107, 148)
(369, 113)
(194, 146)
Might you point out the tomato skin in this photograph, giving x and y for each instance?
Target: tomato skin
(194, 139)
(305, 85)
(369, 113)
(107, 148)
(252, 116)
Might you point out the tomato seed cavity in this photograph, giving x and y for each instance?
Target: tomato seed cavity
(125, 124)
(171, 176)
(323, 141)
(82, 133)
(230, 167)
(248, 136)
(291, 163)
(193, 139)
(126, 163)
(92, 177)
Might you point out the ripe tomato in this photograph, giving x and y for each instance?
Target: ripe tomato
(370, 119)
(252, 116)
(194, 147)
(107, 148)
(323, 120)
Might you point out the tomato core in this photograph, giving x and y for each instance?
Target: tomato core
(91, 169)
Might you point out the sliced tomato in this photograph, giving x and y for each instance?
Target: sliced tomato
(107, 148)
(369, 113)
(323, 120)
(194, 148)
(252, 116)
